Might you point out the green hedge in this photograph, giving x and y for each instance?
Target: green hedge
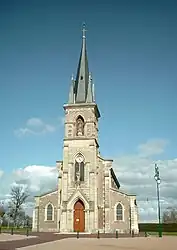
(154, 227)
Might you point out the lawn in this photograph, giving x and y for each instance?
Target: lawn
(163, 233)
(14, 230)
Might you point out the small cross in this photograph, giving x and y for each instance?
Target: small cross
(83, 30)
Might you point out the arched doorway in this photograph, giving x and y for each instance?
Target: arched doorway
(79, 216)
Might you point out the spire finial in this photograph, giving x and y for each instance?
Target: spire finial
(83, 30)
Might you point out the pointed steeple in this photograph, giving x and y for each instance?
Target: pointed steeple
(82, 88)
(82, 77)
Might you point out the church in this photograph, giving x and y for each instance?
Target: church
(88, 196)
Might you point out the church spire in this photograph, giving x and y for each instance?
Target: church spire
(82, 77)
(82, 89)
(81, 85)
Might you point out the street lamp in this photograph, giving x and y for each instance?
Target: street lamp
(157, 179)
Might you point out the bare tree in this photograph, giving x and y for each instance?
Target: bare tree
(170, 215)
(18, 198)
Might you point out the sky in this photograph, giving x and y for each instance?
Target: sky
(132, 53)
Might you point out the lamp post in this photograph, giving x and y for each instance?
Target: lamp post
(157, 179)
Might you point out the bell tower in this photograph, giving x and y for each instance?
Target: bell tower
(80, 146)
(81, 112)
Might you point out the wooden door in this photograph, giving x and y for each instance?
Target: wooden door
(79, 217)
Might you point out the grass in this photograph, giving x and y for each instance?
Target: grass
(163, 233)
(15, 230)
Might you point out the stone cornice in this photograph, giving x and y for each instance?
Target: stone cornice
(83, 105)
(81, 138)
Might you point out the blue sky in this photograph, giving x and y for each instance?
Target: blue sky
(132, 51)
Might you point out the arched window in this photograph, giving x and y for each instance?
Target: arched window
(79, 126)
(119, 212)
(49, 212)
(79, 168)
(77, 172)
(82, 171)
(60, 196)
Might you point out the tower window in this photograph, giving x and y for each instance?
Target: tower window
(81, 77)
(82, 171)
(79, 168)
(60, 196)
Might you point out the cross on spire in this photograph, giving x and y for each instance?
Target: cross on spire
(83, 31)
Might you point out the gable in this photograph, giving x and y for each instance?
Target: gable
(78, 195)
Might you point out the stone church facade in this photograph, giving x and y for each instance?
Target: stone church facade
(88, 196)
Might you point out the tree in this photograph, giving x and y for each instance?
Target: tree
(18, 198)
(2, 212)
(170, 215)
(28, 221)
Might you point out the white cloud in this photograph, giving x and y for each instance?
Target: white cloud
(35, 126)
(62, 120)
(34, 122)
(37, 178)
(135, 174)
(1, 173)
(152, 147)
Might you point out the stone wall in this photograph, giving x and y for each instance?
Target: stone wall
(122, 226)
(41, 224)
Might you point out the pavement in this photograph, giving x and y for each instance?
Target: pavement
(150, 243)
(48, 241)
